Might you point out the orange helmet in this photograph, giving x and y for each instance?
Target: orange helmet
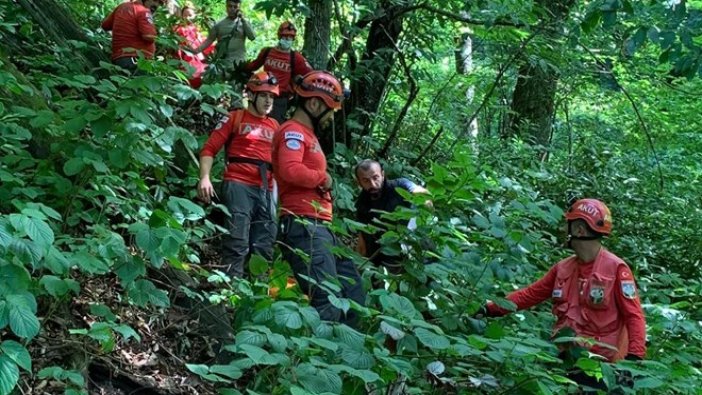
(323, 85)
(263, 81)
(287, 29)
(592, 211)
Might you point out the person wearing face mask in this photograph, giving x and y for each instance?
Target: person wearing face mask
(191, 38)
(304, 187)
(285, 64)
(379, 195)
(247, 188)
(133, 32)
(593, 292)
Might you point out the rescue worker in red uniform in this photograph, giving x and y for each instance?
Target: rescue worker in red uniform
(593, 292)
(305, 198)
(285, 64)
(133, 32)
(246, 135)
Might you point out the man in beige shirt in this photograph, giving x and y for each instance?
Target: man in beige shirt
(231, 34)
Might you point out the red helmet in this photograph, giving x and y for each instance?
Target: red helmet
(287, 29)
(263, 81)
(592, 211)
(323, 85)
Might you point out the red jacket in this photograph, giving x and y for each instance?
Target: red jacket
(192, 38)
(129, 23)
(278, 63)
(300, 170)
(251, 138)
(597, 300)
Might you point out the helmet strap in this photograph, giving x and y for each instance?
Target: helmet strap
(572, 237)
(315, 120)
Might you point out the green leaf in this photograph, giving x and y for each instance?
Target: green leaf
(14, 278)
(349, 336)
(398, 304)
(258, 265)
(73, 166)
(228, 371)
(130, 270)
(103, 311)
(277, 342)
(250, 337)
(54, 286)
(287, 317)
(127, 332)
(647, 382)
(17, 353)
(9, 374)
(357, 358)
(318, 380)
(431, 339)
(185, 209)
(23, 322)
(393, 332)
(505, 304)
(60, 374)
(143, 292)
(90, 263)
(38, 231)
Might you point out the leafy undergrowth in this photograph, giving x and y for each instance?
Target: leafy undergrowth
(119, 347)
(105, 269)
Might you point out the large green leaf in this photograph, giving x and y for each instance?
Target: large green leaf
(357, 358)
(318, 380)
(9, 374)
(431, 339)
(18, 353)
(398, 304)
(144, 292)
(287, 317)
(250, 337)
(23, 320)
(13, 279)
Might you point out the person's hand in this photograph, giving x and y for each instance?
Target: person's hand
(482, 312)
(205, 191)
(327, 186)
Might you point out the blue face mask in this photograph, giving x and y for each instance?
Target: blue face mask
(285, 43)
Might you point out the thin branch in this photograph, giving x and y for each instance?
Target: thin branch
(466, 19)
(487, 96)
(414, 90)
(635, 107)
(361, 24)
(439, 93)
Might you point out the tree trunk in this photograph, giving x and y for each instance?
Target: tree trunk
(58, 24)
(318, 33)
(464, 65)
(533, 98)
(369, 81)
(533, 103)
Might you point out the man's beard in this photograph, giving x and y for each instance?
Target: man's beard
(375, 193)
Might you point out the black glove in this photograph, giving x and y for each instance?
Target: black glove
(632, 357)
(482, 312)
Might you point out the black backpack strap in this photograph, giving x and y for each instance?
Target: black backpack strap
(292, 66)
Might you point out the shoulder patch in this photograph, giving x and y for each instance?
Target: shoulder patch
(629, 289)
(293, 144)
(149, 18)
(222, 121)
(294, 136)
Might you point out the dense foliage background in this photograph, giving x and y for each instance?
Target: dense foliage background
(107, 269)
